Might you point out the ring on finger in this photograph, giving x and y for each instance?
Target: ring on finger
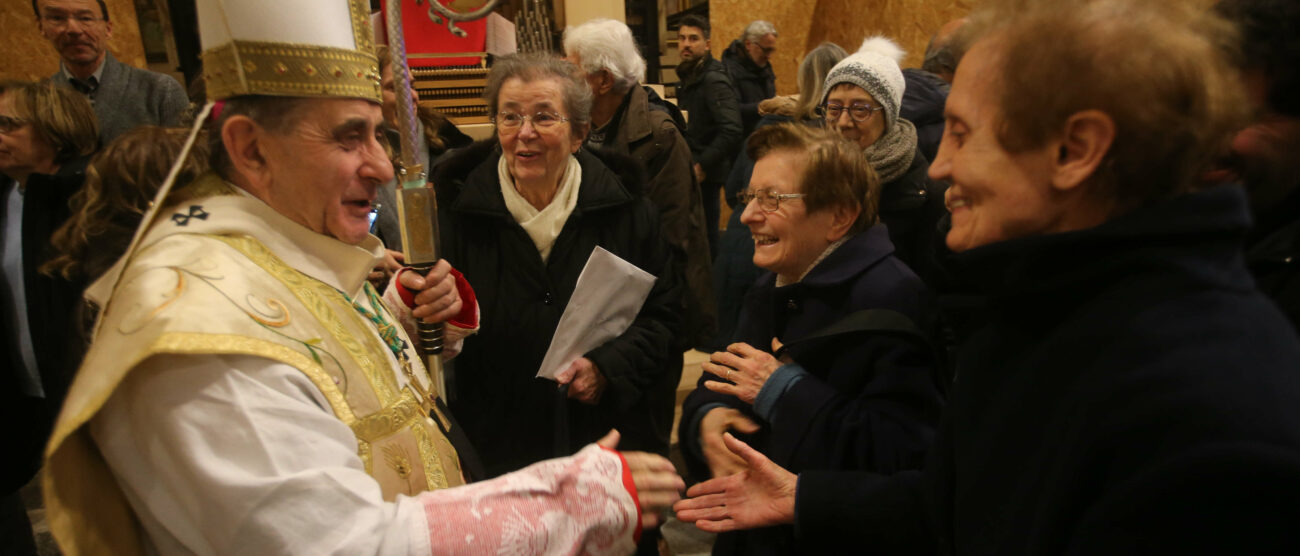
(729, 371)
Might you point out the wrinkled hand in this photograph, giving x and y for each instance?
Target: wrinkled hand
(746, 367)
(657, 484)
(715, 423)
(436, 298)
(760, 496)
(385, 269)
(699, 172)
(586, 383)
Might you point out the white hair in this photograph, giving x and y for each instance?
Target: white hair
(605, 44)
(883, 46)
(757, 29)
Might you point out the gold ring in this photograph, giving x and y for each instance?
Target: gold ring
(729, 371)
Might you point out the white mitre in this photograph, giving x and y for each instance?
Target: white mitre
(298, 48)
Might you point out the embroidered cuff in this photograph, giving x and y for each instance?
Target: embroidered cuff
(630, 486)
(778, 383)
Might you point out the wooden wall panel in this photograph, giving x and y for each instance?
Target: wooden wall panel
(909, 22)
(804, 25)
(27, 55)
(793, 20)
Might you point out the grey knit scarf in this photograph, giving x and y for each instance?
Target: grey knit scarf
(891, 155)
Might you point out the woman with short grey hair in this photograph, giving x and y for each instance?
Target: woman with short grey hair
(520, 215)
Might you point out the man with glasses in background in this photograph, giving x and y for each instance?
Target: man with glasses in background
(748, 64)
(124, 97)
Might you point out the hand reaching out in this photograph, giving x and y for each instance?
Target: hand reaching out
(715, 423)
(657, 484)
(759, 496)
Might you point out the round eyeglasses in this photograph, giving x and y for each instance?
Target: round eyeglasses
(768, 200)
(858, 112)
(511, 122)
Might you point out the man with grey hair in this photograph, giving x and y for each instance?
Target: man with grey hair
(941, 55)
(748, 63)
(626, 120)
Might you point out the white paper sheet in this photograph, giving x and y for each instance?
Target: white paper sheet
(608, 296)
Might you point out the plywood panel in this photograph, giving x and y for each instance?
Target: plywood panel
(908, 22)
(792, 19)
(27, 55)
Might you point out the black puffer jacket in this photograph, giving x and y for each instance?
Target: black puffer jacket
(752, 83)
(505, 410)
(713, 128)
(923, 100)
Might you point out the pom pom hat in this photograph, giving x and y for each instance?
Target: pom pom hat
(874, 68)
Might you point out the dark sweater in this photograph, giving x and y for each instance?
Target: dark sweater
(1132, 393)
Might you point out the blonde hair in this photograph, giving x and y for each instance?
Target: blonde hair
(121, 181)
(59, 116)
(812, 77)
(836, 174)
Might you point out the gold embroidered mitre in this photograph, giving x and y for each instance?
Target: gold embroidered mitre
(297, 48)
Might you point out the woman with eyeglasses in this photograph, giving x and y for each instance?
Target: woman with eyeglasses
(733, 269)
(863, 95)
(46, 133)
(520, 215)
(829, 369)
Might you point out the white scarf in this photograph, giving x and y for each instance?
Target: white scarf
(543, 226)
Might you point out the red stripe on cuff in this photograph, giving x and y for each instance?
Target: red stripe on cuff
(630, 486)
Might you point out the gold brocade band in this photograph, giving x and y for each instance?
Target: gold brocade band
(284, 69)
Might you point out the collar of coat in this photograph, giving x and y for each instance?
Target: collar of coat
(849, 260)
(608, 180)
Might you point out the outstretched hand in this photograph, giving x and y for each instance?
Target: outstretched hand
(760, 496)
(658, 485)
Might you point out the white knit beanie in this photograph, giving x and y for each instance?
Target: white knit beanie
(874, 67)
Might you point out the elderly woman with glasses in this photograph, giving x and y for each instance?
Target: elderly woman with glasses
(829, 369)
(520, 215)
(863, 96)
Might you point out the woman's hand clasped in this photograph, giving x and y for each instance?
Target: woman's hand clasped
(745, 367)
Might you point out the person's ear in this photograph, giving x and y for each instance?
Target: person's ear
(244, 142)
(842, 219)
(604, 82)
(1081, 149)
(579, 136)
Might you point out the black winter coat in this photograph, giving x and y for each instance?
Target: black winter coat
(911, 206)
(1133, 393)
(51, 306)
(752, 83)
(713, 128)
(869, 400)
(508, 413)
(1273, 254)
(924, 97)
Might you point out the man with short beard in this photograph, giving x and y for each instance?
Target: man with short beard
(124, 96)
(713, 130)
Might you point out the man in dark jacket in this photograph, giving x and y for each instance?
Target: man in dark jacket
(923, 100)
(625, 122)
(748, 63)
(714, 129)
(1132, 392)
(1264, 154)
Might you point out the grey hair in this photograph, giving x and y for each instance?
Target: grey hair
(757, 29)
(537, 67)
(274, 113)
(605, 44)
(940, 58)
(812, 76)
